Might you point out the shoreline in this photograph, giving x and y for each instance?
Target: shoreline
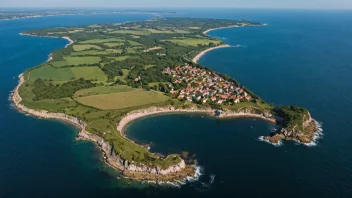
(232, 26)
(64, 37)
(202, 53)
(179, 172)
(197, 58)
(141, 113)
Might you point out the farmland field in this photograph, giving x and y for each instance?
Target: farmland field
(109, 40)
(49, 72)
(85, 47)
(134, 43)
(89, 60)
(134, 32)
(90, 52)
(109, 51)
(123, 100)
(89, 73)
(102, 90)
(113, 44)
(193, 42)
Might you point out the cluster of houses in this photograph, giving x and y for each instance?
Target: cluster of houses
(204, 86)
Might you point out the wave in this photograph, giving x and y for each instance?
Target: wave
(177, 184)
(317, 135)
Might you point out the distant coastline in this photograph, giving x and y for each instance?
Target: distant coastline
(196, 58)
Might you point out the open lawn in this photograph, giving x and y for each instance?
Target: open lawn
(89, 73)
(193, 42)
(74, 61)
(109, 40)
(85, 47)
(123, 100)
(48, 72)
(102, 90)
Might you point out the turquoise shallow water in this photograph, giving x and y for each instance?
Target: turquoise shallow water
(301, 57)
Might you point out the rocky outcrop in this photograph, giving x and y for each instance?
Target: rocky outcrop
(296, 133)
(140, 171)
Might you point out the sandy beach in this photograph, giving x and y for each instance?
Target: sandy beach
(137, 114)
(232, 26)
(196, 59)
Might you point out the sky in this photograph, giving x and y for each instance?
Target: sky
(293, 4)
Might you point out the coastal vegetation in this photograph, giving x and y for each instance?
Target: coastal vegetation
(113, 69)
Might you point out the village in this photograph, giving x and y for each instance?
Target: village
(202, 86)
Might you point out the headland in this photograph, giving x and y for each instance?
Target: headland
(101, 83)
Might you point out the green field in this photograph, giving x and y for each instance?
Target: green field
(91, 52)
(102, 90)
(49, 72)
(121, 58)
(123, 100)
(114, 51)
(113, 44)
(85, 47)
(182, 31)
(133, 32)
(74, 61)
(125, 74)
(89, 73)
(192, 42)
(154, 31)
(134, 43)
(109, 40)
(131, 50)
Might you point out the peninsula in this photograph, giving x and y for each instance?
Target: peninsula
(112, 74)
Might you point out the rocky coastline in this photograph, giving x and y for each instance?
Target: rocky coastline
(178, 172)
(174, 173)
(307, 136)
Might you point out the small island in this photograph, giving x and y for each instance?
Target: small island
(112, 74)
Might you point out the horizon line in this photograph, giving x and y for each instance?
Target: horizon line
(189, 7)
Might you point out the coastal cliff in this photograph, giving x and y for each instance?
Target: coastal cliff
(176, 172)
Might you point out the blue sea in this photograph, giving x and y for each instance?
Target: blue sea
(302, 57)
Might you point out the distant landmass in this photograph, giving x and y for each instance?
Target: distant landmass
(11, 14)
(112, 74)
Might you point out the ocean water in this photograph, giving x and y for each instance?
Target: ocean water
(300, 57)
